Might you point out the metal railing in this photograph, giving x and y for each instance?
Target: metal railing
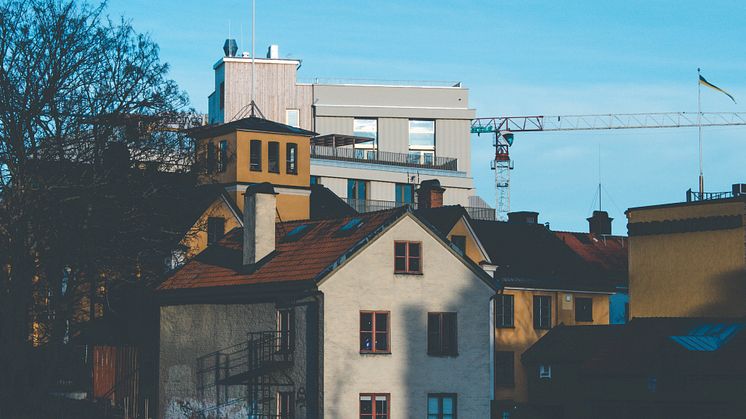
(706, 196)
(362, 155)
(370, 205)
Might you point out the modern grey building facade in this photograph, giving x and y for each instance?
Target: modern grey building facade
(387, 137)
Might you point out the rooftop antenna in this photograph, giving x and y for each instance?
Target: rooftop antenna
(599, 176)
(253, 55)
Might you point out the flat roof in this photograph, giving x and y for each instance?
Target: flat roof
(687, 203)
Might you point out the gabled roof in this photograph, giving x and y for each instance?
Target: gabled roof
(443, 218)
(302, 254)
(251, 123)
(607, 253)
(532, 256)
(304, 259)
(647, 346)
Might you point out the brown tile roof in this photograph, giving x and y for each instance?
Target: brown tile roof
(307, 258)
(605, 252)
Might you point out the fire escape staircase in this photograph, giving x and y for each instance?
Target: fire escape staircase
(259, 365)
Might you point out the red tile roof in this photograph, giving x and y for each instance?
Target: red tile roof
(608, 253)
(305, 259)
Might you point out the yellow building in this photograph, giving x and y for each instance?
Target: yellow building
(246, 152)
(688, 259)
(549, 278)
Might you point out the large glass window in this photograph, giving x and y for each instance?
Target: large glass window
(273, 159)
(442, 334)
(366, 127)
(291, 151)
(255, 156)
(404, 193)
(441, 406)
(374, 332)
(374, 406)
(421, 134)
(285, 405)
(542, 312)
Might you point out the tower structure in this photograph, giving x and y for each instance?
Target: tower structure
(502, 165)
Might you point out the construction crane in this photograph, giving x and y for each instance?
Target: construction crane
(503, 128)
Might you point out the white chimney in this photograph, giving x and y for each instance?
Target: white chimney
(273, 52)
(260, 208)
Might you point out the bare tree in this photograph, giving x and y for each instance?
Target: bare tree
(83, 99)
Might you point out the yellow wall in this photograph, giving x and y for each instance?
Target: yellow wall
(472, 249)
(523, 335)
(196, 239)
(294, 204)
(687, 274)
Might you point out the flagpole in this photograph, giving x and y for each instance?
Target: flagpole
(253, 54)
(699, 125)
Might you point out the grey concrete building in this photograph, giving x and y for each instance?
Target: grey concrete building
(388, 136)
(373, 315)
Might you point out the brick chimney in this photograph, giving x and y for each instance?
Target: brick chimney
(523, 217)
(600, 223)
(260, 209)
(430, 194)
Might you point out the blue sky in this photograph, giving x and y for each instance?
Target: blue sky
(517, 58)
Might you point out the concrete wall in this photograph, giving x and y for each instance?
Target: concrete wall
(690, 274)
(188, 332)
(523, 334)
(367, 282)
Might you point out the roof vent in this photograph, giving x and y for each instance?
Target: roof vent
(230, 47)
(245, 54)
(523, 217)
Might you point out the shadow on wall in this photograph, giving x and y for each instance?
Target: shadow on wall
(729, 290)
(466, 375)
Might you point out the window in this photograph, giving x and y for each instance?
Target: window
(404, 193)
(291, 155)
(285, 405)
(223, 156)
(255, 156)
(215, 229)
(421, 134)
(367, 128)
(210, 157)
(292, 117)
(222, 95)
(542, 312)
(273, 163)
(374, 406)
(315, 180)
(441, 406)
(584, 309)
(545, 371)
(459, 241)
(374, 332)
(441, 334)
(285, 321)
(407, 257)
(357, 189)
(504, 310)
(505, 368)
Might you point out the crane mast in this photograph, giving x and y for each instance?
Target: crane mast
(503, 128)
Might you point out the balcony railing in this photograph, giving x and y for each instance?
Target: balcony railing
(363, 155)
(706, 196)
(370, 205)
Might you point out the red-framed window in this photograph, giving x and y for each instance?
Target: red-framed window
(374, 332)
(374, 405)
(407, 257)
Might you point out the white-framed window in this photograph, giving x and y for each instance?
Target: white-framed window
(545, 371)
(292, 117)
